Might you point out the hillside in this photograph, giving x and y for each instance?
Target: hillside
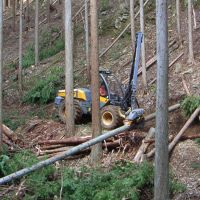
(33, 116)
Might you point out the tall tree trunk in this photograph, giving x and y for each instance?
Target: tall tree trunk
(14, 13)
(144, 76)
(190, 37)
(69, 99)
(1, 66)
(36, 32)
(161, 184)
(48, 11)
(27, 14)
(20, 47)
(178, 19)
(132, 16)
(96, 153)
(87, 41)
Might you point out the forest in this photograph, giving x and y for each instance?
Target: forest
(100, 100)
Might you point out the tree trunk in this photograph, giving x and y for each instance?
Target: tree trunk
(1, 66)
(20, 47)
(132, 16)
(161, 181)
(187, 124)
(69, 99)
(14, 13)
(36, 32)
(48, 11)
(190, 37)
(27, 14)
(87, 41)
(178, 19)
(94, 60)
(139, 155)
(144, 78)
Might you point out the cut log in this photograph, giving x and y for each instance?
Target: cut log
(9, 133)
(180, 134)
(107, 145)
(140, 154)
(148, 65)
(48, 147)
(153, 115)
(170, 65)
(71, 141)
(182, 131)
(183, 137)
(185, 86)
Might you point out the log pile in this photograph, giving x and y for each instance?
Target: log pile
(9, 138)
(52, 147)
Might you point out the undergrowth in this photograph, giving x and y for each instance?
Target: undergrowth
(44, 90)
(123, 180)
(190, 104)
(47, 48)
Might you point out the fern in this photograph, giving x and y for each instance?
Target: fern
(45, 89)
(190, 104)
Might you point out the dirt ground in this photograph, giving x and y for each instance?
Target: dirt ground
(35, 129)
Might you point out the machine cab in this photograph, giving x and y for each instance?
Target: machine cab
(110, 87)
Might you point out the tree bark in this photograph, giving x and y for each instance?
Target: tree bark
(190, 37)
(178, 19)
(20, 48)
(132, 16)
(190, 120)
(69, 99)
(96, 153)
(68, 141)
(27, 14)
(36, 32)
(1, 66)
(87, 41)
(48, 11)
(144, 146)
(161, 181)
(14, 14)
(144, 76)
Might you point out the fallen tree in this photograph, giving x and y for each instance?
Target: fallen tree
(180, 134)
(63, 155)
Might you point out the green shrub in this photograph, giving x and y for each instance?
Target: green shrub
(198, 141)
(122, 181)
(13, 119)
(190, 104)
(40, 184)
(47, 48)
(104, 5)
(45, 89)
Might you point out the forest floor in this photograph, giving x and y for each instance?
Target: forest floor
(20, 116)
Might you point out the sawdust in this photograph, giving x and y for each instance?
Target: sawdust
(184, 156)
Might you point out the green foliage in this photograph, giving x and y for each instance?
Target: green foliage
(123, 181)
(3, 159)
(28, 58)
(195, 165)
(195, 2)
(13, 120)
(190, 104)
(47, 48)
(104, 5)
(40, 184)
(176, 187)
(198, 141)
(45, 89)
